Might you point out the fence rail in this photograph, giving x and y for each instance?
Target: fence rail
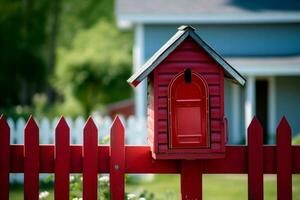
(117, 159)
(135, 132)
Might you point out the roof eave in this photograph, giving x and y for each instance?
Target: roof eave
(280, 17)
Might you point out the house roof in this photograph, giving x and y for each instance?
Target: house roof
(267, 66)
(170, 46)
(194, 11)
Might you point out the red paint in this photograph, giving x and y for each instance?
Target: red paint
(187, 55)
(62, 156)
(255, 161)
(139, 160)
(90, 159)
(191, 180)
(284, 161)
(117, 160)
(31, 160)
(90, 168)
(188, 113)
(4, 158)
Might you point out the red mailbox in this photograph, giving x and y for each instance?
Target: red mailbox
(186, 98)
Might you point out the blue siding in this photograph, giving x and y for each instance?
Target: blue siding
(246, 40)
(235, 39)
(288, 101)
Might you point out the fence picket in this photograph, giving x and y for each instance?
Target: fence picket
(255, 161)
(4, 158)
(284, 161)
(117, 160)
(90, 161)
(62, 160)
(31, 160)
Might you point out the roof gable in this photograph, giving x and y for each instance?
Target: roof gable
(171, 45)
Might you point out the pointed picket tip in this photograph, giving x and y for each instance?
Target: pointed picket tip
(284, 123)
(62, 124)
(3, 123)
(117, 123)
(255, 126)
(283, 127)
(31, 124)
(90, 125)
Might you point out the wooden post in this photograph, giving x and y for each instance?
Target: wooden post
(90, 161)
(255, 161)
(191, 180)
(284, 161)
(31, 161)
(62, 160)
(117, 160)
(4, 158)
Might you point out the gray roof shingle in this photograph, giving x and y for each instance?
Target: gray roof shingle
(182, 33)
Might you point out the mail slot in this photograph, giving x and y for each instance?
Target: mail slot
(188, 111)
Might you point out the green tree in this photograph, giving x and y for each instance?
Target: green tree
(95, 67)
(22, 39)
(72, 45)
(94, 57)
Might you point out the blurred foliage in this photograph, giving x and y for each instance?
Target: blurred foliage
(61, 57)
(91, 57)
(296, 140)
(22, 39)
(95, 67)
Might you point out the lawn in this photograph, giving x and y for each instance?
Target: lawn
(215, 187)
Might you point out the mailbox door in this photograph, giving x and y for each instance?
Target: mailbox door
(188, 112)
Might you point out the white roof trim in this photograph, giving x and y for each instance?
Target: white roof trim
(271, 70)
(268, 17)
(274, 66)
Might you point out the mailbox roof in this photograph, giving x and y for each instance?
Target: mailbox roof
(170, 46)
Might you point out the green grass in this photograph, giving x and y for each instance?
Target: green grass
(215, 187)
(16, 191)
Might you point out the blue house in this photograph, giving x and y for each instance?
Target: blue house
(261, 39)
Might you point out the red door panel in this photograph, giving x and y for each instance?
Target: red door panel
(188, 112)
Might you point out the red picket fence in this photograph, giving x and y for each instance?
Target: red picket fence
(117, 159)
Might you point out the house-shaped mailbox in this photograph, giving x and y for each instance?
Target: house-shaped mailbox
(186, 98)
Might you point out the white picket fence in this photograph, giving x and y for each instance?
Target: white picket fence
(136, 133)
